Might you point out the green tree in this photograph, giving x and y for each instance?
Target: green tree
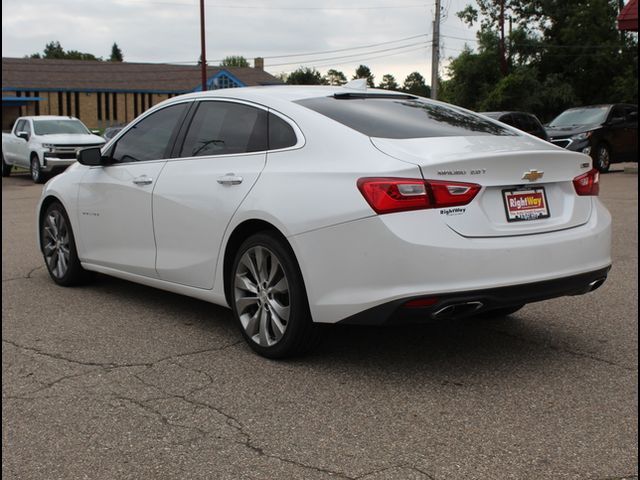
(416, 85)
(365, 72)
(305, 76)
(335, 77)
(389, 82)
(234, 61)
(116, 53)
(54, 50)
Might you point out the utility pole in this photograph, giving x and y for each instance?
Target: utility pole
(203, 53)
(435, 52)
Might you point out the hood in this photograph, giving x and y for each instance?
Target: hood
(562, 132)
(72, 139)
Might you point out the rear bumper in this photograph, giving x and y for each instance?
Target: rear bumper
(464, 304)
(356, 266)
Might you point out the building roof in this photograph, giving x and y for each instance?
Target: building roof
(628, 18)
(85, 75)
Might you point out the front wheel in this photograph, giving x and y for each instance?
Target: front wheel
(603, 158)
(269, 298)
(37, 175)
(6, 168)
(59, 247)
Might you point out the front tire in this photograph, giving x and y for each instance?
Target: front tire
(6, 168)
(37, 175)
(58, 247)
(269, 299)
(603, 158)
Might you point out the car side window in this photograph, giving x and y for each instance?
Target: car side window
(631, 114)
(26, 127)
(223, 128)
(281, 135)
(617, 112)
(509, 120)
(19, 126)
(149, 138)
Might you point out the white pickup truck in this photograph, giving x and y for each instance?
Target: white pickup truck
(45, 145)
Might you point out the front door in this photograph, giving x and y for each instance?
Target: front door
(115, 201)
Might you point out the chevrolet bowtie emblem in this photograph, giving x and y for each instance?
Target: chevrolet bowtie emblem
(532, 175)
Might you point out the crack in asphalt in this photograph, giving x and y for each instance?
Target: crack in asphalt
(24, 277)
(557, 348)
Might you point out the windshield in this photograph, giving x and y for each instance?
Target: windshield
(51, 127)
(402, 117)
(580, 116)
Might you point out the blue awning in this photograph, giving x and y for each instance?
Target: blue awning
(19, 101)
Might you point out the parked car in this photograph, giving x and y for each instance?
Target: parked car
(46, 145)
(111, 132)
(297, 206)
(526, 122)
(609, 133)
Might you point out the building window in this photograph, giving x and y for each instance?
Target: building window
(222, 81)
(107, 112)
(99, 100)
(60, 112)
(135, 105)
(150, 98)
(76, 98)
(68, 103)
(115, 107)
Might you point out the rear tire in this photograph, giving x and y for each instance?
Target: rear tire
(603, 158)
(6, 168)
(37, 175)
(269, 299)
(58, 247)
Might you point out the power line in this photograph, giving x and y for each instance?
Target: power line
(423, 43)
(347, 49)
(271, 7)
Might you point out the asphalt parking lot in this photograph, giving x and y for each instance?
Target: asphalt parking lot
(119, 381)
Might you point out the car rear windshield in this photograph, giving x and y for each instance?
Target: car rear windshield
(51, 127)
(580, 116)
(401, 117)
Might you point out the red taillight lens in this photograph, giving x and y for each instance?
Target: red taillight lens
(587, 183)
(386, 195)
(421, 302)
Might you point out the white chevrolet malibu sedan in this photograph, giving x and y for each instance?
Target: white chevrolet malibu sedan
(300, 206)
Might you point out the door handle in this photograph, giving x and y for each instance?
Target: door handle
(143, 180)
(230, 179)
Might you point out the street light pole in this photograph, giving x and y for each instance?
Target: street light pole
(203, 53)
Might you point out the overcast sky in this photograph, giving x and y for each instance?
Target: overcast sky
(168, 31)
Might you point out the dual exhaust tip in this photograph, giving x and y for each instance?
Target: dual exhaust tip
(457, 310)
(465, 309)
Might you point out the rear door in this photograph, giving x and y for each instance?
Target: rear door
(219, 160)
(114, 214)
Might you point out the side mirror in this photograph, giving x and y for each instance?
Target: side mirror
(91, 157)
(23, 135)
(95, 131)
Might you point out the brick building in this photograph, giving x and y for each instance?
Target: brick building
(106, 93)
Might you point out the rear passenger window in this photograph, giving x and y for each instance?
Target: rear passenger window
(223, 128)
(281, 135)
(149, 138)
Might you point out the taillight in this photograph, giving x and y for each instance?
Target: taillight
(587, 183)
(386, 195)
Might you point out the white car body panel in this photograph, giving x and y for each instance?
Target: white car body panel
(173, 234)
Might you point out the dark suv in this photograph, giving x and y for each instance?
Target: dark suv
(523, 121)
(609, 133)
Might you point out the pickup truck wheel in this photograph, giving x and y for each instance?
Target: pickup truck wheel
(58, 247)
(6, 168)
(37, 175)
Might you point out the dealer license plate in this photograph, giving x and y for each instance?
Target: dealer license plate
(522, 205)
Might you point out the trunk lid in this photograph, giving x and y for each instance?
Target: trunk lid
(499, 164)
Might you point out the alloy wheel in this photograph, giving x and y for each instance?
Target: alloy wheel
(56, 243)
(35, 170)
(262, 297)
(603, 158)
